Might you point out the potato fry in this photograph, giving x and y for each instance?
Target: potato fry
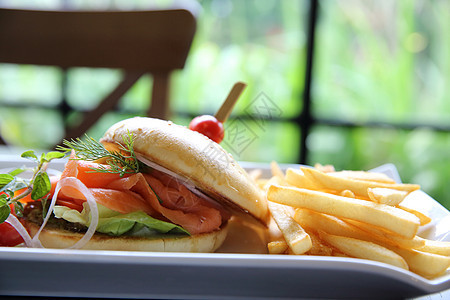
(296, 237)
(424, 220)
(350, 228)
(435, 247)
(362, 175)
(362, 249)
(297, 178)
(347, 193)
(262, 182)
(318, 247)
(276, 170)
(255, 174)
(386, 196)
(330, 224)
(425, 264)
(274, 180)
(324, 168)
(390, 218)
(386, 238)
(277, 247)
(358, 187)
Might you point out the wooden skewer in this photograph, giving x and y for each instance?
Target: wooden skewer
(225, 110)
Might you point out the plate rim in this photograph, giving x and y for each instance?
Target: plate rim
(429, 286)
(268, 261)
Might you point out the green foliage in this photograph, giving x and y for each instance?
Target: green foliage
(13, 188)
(123, 161)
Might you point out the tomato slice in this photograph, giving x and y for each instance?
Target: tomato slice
(9, 236)
(70, 204)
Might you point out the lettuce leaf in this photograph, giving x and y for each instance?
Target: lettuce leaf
(114, 223)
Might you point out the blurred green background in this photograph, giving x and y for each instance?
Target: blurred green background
(377, 64)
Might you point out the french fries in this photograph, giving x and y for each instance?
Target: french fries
(390, 218)
(435, 247)
(296, 237)
(386, 196)
(297, 178)
(361, 175)
(363, 249)
(423, 219)
(277, 247)
(358, 187)
(320, 211)
(428, 265)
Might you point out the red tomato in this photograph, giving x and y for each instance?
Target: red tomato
(9, 236)
(70, 204)
(209, 126)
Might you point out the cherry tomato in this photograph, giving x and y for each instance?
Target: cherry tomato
(9, 236)
(209, 126)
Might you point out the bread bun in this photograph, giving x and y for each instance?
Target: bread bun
(60, 239)
(194, 156)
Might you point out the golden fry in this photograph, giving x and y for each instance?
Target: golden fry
(384, 216)
(276, 170)
(255, 174)
(324, 168)
(353, 229)
(424, 220)
(358, 187)
(318, 247)
(330, 224)
(362, 175)
(425, 264)
(297, 178)
(435, 247)
(385, 238)
(386, 196)
(363, 249)
(347, 193)
(277, 247)
(296, 237)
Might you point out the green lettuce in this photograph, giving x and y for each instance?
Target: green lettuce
(114, 223)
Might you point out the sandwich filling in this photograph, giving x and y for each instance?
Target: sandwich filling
(151, 202)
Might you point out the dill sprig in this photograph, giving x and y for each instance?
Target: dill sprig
(121, 162)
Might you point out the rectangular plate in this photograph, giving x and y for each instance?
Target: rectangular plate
(119, 274)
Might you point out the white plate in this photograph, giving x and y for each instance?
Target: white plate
(117, 274)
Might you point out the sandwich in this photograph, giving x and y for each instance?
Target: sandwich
(162, 187)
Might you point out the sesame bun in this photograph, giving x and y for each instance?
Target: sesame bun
(195, 157)
(60, 239)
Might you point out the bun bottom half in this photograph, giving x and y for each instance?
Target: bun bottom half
(60, 239)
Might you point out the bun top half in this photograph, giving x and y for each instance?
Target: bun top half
(194, 156)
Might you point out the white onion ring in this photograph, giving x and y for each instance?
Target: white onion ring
(185, 181)
(12, 219)
(76, 183)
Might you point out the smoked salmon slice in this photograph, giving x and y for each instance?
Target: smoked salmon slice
(182, 206)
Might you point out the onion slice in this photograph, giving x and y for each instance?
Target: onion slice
(183, 180)
(12, 219)
(75, 183)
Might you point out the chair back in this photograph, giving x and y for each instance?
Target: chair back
(138, 42)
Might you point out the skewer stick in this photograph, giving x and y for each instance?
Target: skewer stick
(225, 110)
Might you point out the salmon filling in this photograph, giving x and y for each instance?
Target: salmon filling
(157, 194)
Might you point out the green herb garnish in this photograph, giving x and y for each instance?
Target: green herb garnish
(37, 187)
(121, 162)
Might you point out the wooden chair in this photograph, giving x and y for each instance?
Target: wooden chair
(138, 42)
